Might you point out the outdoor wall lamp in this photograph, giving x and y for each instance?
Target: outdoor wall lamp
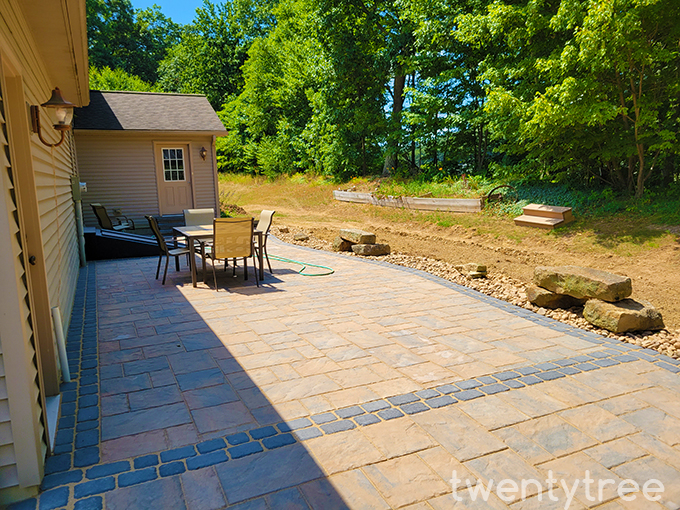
(61, 113)
(203, 152)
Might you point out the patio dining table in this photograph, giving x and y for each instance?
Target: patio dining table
(202, 232)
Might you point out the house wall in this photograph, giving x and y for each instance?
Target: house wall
(120, 172)
(37, 219)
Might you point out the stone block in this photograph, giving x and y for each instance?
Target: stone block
(340, 244)
(583, 282)
(472, 270)
(626, 315)
(547, 299)
(371, 250)
(356, 236)
(301, 237)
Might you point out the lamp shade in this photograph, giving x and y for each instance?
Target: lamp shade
(61, 110)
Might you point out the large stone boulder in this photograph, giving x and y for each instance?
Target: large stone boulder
(339, 244)
(356, 236)
(625, 315)
(546, 299)
(373, 250)
(583, 282)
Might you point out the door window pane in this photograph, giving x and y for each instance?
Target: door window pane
(173, 164)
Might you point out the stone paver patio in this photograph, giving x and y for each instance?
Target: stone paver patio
(365, 389)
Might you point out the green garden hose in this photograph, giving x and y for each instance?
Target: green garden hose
(304, 266)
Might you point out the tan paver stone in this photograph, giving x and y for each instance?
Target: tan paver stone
(444, 464)
(555, 435)
(343, 451)
(523, 446)
(656, 423)
(240, 349)
(492, 412)
(666, 400)
(345, 327)
(269, 359)
(351, 396)
(325, 340)
(344, 353)
(472, 370)
(615, 453)
(545, 502)
(229, 340)
(317, 404)
(297, 389)
(367, 339)
(285, 372)
(398, 437)
(394, 387)
(319, 365)
(466, 501)
(670, 456)
(291, 410)
(570, 392)
(396, 356)
(385, 371)
(262, 376)
(418, 506)
(445, 357)
(498, 358)
(506, 465)
(598, 423)
(310, 352)
(428, 373)
(623, 404)
(262, 327)
(651, 468)
(258, 347)
(357, 362)
(573, 468)
(405, 480)
(532, 402)
(612, 382)
(357, 491)
(460, 435)
(352, 377)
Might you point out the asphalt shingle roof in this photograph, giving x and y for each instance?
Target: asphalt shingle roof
(147, 111)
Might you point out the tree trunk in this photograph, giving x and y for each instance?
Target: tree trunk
(395, 128)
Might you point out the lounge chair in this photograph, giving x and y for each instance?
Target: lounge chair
(105, 222)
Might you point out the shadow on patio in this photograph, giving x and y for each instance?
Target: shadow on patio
(176, 420)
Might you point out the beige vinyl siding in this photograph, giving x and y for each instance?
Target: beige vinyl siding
(204, 177)
(120, 172)
(53, 171)
(42, 174)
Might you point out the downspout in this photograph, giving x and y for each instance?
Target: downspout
(76, 192)
(213, 153)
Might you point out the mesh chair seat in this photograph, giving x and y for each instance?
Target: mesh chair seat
(163, 246)
(232, 239)
(105, 222)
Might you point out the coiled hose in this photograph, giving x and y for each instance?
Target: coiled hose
(304, 266)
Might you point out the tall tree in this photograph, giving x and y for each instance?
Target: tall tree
(121, 38)
(583, 88)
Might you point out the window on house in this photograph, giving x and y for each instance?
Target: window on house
(173, 164)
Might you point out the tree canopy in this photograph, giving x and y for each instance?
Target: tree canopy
(559, 90)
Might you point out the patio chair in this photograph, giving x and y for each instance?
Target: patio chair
(200, 217)
(163, 246)
(263, 226)
(232, 239)
(105, 222)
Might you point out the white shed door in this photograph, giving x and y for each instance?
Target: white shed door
(174, 178)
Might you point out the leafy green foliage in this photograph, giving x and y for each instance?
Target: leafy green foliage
(117, 79)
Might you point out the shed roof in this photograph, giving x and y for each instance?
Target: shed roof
(147, 111)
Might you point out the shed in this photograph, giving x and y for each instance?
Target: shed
(147, 153)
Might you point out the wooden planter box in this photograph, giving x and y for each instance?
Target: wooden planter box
(464, 205)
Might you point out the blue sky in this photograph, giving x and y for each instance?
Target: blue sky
(180, 11)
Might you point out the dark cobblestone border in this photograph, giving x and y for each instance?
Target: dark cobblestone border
(74, 470)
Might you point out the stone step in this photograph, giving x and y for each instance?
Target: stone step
(538, 222)
(548, 211)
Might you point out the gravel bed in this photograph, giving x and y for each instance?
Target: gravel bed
(502, 287)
